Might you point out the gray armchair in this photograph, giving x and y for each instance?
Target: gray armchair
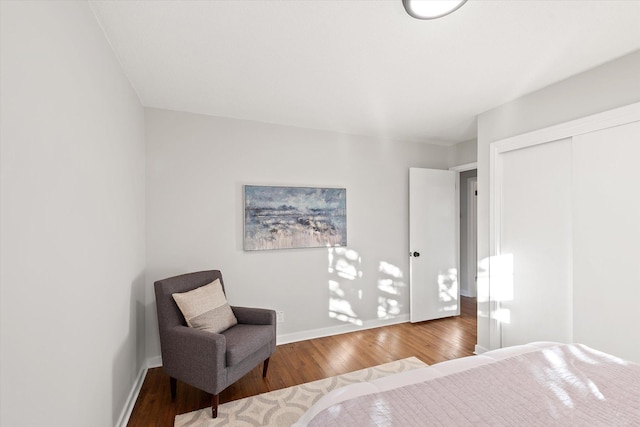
(208, 361)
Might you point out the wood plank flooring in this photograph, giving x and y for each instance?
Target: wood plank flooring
(300, 362)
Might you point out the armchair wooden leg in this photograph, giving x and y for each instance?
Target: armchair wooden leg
(173, 383)
(215, 400)
(265, 367)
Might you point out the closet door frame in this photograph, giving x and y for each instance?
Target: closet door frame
(615, 117)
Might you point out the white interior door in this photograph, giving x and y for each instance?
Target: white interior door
(433, 239)
(606, 240)
(531, 279)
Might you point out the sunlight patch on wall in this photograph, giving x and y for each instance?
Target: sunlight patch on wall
(390, 288)
(388, 308)
(502, 278)
(345, 265)
(495, 288)
(340, 308)
(390, 270)
(483, 289)
(502, 315)
(352, 299)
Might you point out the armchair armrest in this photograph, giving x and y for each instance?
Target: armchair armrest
(195, 357)
(254, 316)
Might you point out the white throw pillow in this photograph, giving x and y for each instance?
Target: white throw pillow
(206, 308)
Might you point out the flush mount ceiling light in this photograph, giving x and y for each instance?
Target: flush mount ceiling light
(431, 9)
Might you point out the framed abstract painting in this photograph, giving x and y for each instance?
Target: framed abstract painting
(294, 217)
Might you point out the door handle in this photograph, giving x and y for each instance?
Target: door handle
(414, 254)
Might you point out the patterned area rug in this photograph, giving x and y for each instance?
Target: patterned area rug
(282, 408)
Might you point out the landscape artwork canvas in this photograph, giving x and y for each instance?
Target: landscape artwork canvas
(294, 217)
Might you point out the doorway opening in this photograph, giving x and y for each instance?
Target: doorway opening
(468, 235)
(468, 276)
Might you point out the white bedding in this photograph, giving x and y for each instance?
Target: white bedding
(400, 383)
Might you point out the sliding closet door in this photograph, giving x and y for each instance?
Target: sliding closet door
(606, 192)
(534, 243)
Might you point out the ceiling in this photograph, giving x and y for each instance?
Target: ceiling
(361, 67)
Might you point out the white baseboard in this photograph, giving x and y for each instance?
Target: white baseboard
(131, 399)
(154, 362)
(479, 349)
(337, 330)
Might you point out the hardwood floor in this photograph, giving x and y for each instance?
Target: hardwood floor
(300, 362)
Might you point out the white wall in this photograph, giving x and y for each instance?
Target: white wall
(463, 153)
(196, 168)
(72, 220)
(603, 88)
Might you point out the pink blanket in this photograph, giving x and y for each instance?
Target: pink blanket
(564, 385)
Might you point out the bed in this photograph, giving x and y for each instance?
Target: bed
(538, 384)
